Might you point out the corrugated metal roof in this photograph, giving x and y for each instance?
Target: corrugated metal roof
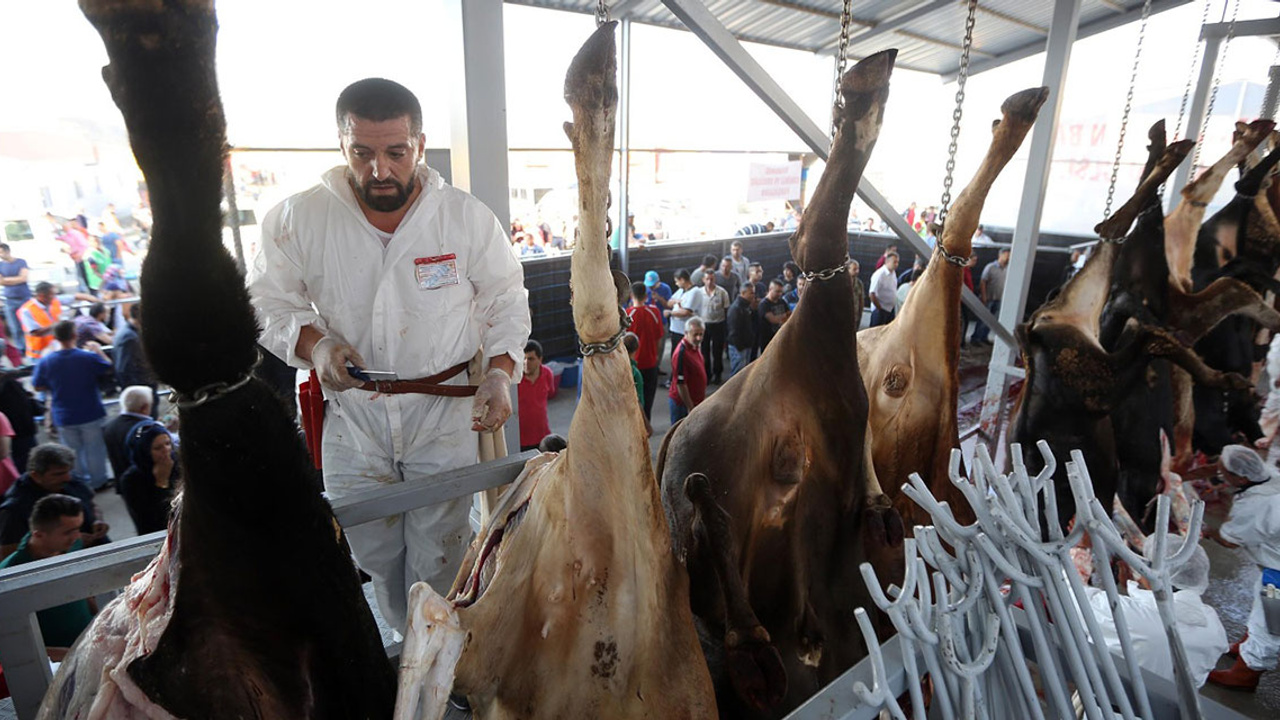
(927, 33)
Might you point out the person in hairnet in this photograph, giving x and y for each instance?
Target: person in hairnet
(1254, 524)
(385, 267)
(1203, 636)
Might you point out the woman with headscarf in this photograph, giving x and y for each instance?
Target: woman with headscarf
(1254, 524)
(148, 485)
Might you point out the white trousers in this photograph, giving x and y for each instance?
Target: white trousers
(371, 440)
(1261, 650)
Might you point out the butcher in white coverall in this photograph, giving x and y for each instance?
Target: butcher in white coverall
(1254, 524)
(385, 267)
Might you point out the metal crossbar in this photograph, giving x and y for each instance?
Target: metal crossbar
(27, 589)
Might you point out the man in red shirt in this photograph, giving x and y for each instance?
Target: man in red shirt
(537, 386)
(689, 386)
(646, 323)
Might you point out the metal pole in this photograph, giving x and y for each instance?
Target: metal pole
(479, 109)
(720, 41)
(26, 665)
(1195, 118)
(624, 144)
(1026, 234)
(233, 212)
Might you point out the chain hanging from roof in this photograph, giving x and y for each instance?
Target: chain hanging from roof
(1217, 80)
(602, 13)
(842, 61)
(1191, 72)
(962, 76)
(1128, 105)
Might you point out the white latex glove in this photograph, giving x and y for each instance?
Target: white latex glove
(492, 404)
(331, 357)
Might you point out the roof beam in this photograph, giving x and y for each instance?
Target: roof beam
(944, 43)
(1012, 20)
(790, 5)
(894, 22)
(1118, 7)
(1243, 28)
(622, 8)
(1093, 28)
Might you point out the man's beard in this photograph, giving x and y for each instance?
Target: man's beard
(385, 203)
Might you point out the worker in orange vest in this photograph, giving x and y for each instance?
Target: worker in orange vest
(38, 316)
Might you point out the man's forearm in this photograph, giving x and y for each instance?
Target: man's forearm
(504, 362)
(308, 336)
(685, 399)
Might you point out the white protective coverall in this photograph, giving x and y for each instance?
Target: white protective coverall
(1203, 636)
(1254, 524)
(322, 263)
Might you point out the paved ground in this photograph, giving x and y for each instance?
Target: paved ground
(1228, 591)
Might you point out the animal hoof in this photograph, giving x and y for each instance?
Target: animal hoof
(755, 669)
(883, 527)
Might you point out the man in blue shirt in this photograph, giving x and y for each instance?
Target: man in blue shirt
(13, 277)
(71, 375)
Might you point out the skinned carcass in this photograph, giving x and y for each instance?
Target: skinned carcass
(570, 602)
(252, 608)
(768, 484)
(1074, 383)
(911, 365)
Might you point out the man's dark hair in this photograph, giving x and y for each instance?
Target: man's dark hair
(638, 291)
(890, 254)
(709, 261)
(44, 287)
(534, 347)
(552, 443)
(794, 268)
(682, 274)
(64, 331)
(135, 312)
(631, 342)
(745, 287)
(756, 265)
(50, 455)
(1004, 250)
(4, 247)
(775, 281)
(96, 309)
(378, 99)
(50, 509)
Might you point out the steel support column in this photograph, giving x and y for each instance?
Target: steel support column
(624, 144)
(478, 148)
(1196, 119)
(1026, 234)
(711, 31)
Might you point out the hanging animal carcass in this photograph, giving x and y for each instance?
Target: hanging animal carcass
(768, 484)
(570, 602)
(252, 608)
(911, 365)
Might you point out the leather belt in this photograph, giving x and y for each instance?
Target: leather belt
(424, 386)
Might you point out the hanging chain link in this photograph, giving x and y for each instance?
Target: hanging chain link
(1217, 80)
(1269, 98)
(842, 61)
(1191, 73)
(961, 78)
(1128, 105)
(602, 13)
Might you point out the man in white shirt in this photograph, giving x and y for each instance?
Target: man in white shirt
(385, 267)
(711, 302)
(1253, 524)
(883, 290)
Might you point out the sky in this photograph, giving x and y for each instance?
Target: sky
(282, 63)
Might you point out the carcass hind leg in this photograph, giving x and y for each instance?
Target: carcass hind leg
(753, 663)
(1195, 314)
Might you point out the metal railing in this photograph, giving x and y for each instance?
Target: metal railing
(27, 589)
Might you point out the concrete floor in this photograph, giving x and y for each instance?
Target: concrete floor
(1228, 592)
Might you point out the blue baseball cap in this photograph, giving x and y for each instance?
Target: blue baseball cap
(651, 278)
